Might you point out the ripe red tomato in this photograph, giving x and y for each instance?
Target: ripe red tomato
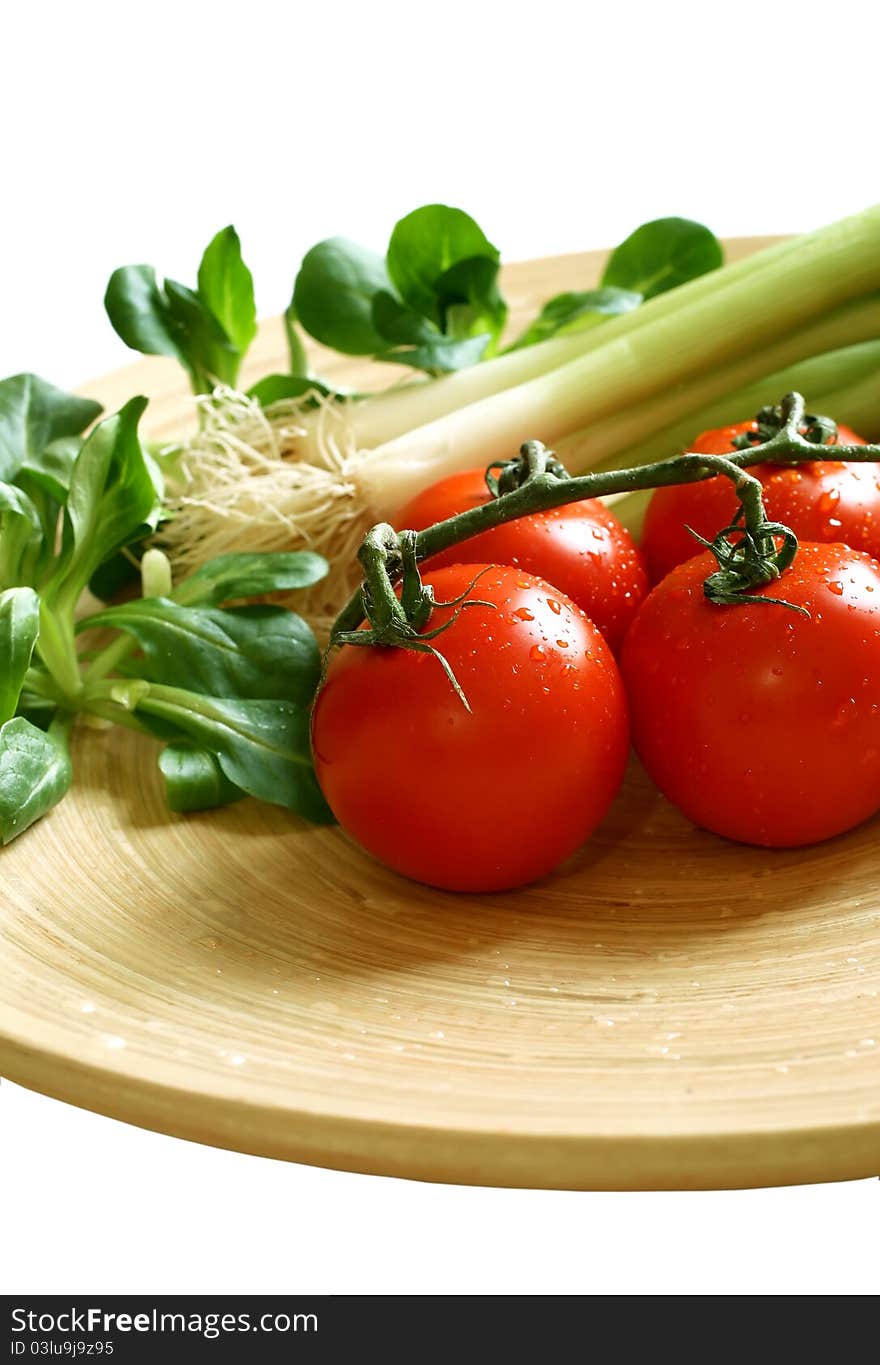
(490, 799)
(581, 549)
(757, 722)
(825, 500)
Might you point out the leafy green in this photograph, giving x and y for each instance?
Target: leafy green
(34, 414)
(333, 295)
(661, 255)
(35, 773)
(194, 779)
(418, 343)
(211, 355)
(141, 315)
(51, 470)
(275, 388)
(208, 330)
(226, 288)
(252, 652)
(433, 304)
(115, 495)
(19, 628)
(229, 689)
(231, 576)
(426, 246)
(469, 299)
(261, 746)
(21, 537)
(574, 311)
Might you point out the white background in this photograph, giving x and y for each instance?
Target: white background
(132, 132)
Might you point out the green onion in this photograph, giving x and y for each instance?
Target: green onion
(731, 315)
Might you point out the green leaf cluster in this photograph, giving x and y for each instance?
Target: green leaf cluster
(207, 329)
(432, 302)
(225, 684)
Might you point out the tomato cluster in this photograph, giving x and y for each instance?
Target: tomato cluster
(759, 721)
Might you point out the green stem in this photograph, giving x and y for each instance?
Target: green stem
(109, 710)
(42, 684)
(56, 646)
(299, 361)
(109, 658)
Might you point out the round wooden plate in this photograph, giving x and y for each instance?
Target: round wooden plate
(667, 1011)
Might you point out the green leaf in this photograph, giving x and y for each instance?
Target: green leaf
(211, 355)
(139, 312)
(253, 652)
(573, 312)
(275, 388)
(661, 255)
(194, 779)
(19, 628)
(333, 295)
(262, 746)
(424, 247)
(469, 299)
(170, 321)
(51, 470)
(115, 496)
(21, 536)
(35, 773)
(33, 414)
(418, 343)
(231, 576)
(226, 287)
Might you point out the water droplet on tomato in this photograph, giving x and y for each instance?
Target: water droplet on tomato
(830, 498)
(523, 614)
(563, 644)
(536, 653)
(555, 607)
(836, 587)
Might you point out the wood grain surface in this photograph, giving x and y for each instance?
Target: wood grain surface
(668, 1011)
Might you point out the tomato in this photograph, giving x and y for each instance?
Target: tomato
(825, 500)
(490, 799)
(757, 722)
(581, 549)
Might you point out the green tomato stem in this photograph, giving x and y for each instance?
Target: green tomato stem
(542, 487)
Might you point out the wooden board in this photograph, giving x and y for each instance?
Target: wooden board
(667, 1011)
